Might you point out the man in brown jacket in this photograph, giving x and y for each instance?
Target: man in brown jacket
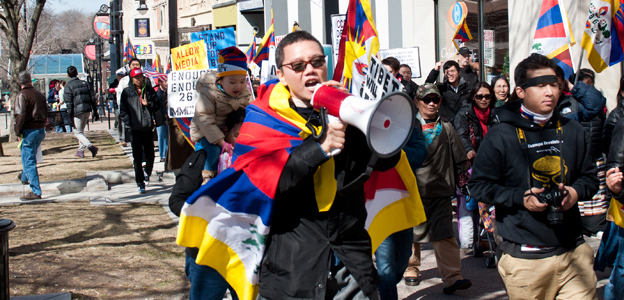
(31, 111)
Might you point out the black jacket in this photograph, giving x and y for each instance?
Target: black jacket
(134, 115)
(501, 175)
(188, 180)
(79, 98)
(470, 76)
(299, 248)
(609, 125)
(466, 119)
(452, 101)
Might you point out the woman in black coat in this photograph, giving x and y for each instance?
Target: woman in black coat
(472, 122)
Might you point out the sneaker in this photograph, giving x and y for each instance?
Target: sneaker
(80, 154)
(142, 188)
(93, 150)
(30, 196)
(19, 177)
(146, 181)
(461, 284)
(162, 160)
(123, 144)
(411, 276)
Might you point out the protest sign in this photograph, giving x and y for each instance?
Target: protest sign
(215, 40)
(181, 93)
(408, 56)
(278, 39)
(488, 48)
(337, 22)
(189, 57)
(268, 71)
(379, 81)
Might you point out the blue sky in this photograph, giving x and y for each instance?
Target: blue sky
(87, 6)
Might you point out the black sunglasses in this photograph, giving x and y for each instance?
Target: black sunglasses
(300, 66)
(480, 97)
(435, 100)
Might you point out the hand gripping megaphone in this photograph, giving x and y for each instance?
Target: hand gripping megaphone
(387, 123)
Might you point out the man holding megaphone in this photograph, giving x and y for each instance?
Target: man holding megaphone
(317, 246)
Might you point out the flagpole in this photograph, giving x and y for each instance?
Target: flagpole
(579, 66)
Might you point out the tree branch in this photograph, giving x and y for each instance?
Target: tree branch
(32, 29)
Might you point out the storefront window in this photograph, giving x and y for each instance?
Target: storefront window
(496, 25)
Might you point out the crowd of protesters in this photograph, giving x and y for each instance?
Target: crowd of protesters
(542, 155)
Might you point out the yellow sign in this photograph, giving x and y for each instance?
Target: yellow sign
(190, 57)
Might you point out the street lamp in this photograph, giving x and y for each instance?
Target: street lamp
(142, 6)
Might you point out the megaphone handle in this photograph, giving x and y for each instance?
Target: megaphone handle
(323, 120)
(332, 119)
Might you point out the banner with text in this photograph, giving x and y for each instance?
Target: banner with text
(215, 40)
(181, 93)
(408, 56)
(379, 82)
(337, 23)
(488, 48)
(189, 57)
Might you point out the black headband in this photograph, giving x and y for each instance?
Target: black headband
(539, 80)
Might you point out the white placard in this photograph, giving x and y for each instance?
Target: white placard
(182, 93)
(337, 22)
(379, 81)
(408, 56)
(488, 48)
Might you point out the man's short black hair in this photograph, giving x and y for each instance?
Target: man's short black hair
(582, 76)
(72, 72)
(135, 59)
(405, 66)
(291, 38)
(533, 62)
(450, 63)
(394, 63)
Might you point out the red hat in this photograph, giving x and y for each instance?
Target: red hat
(135, 72)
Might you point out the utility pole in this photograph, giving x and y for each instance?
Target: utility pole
(116, 41)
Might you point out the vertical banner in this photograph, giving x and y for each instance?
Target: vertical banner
(189, 57)
(488, 48)
(181, 94)
(214, 41)
(337, 23)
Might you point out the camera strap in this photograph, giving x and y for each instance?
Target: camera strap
(522, 139)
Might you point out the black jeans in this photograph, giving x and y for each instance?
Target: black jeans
(142, 147)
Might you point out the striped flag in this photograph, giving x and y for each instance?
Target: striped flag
(129, 52)
(251, 50)
(168, 66)
(553, 35)
(156, 64)
(604, 33)
(462, 34)
(267, 42)
(357, 44)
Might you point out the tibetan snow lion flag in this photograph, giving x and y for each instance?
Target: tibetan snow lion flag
(553, 35)
(616, 212)
(229, 218)
(357, 44)
(462, 34)
(604, 31)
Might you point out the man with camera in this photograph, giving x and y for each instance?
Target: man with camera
(534, 167)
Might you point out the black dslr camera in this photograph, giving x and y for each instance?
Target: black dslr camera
(553, 197)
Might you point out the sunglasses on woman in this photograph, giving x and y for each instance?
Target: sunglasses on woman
(300, 66)
(428, 100)
(486, 96)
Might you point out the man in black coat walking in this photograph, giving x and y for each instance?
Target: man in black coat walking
(80, 102)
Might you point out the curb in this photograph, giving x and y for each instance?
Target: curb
(127, 176)
(88, 184)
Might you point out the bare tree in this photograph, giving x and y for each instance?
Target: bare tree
(11, 19)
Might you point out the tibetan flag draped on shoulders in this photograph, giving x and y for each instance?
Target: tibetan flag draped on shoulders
(462, 34)
(604, 33)
(553, 35)
(230, 217)
(358, 43)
